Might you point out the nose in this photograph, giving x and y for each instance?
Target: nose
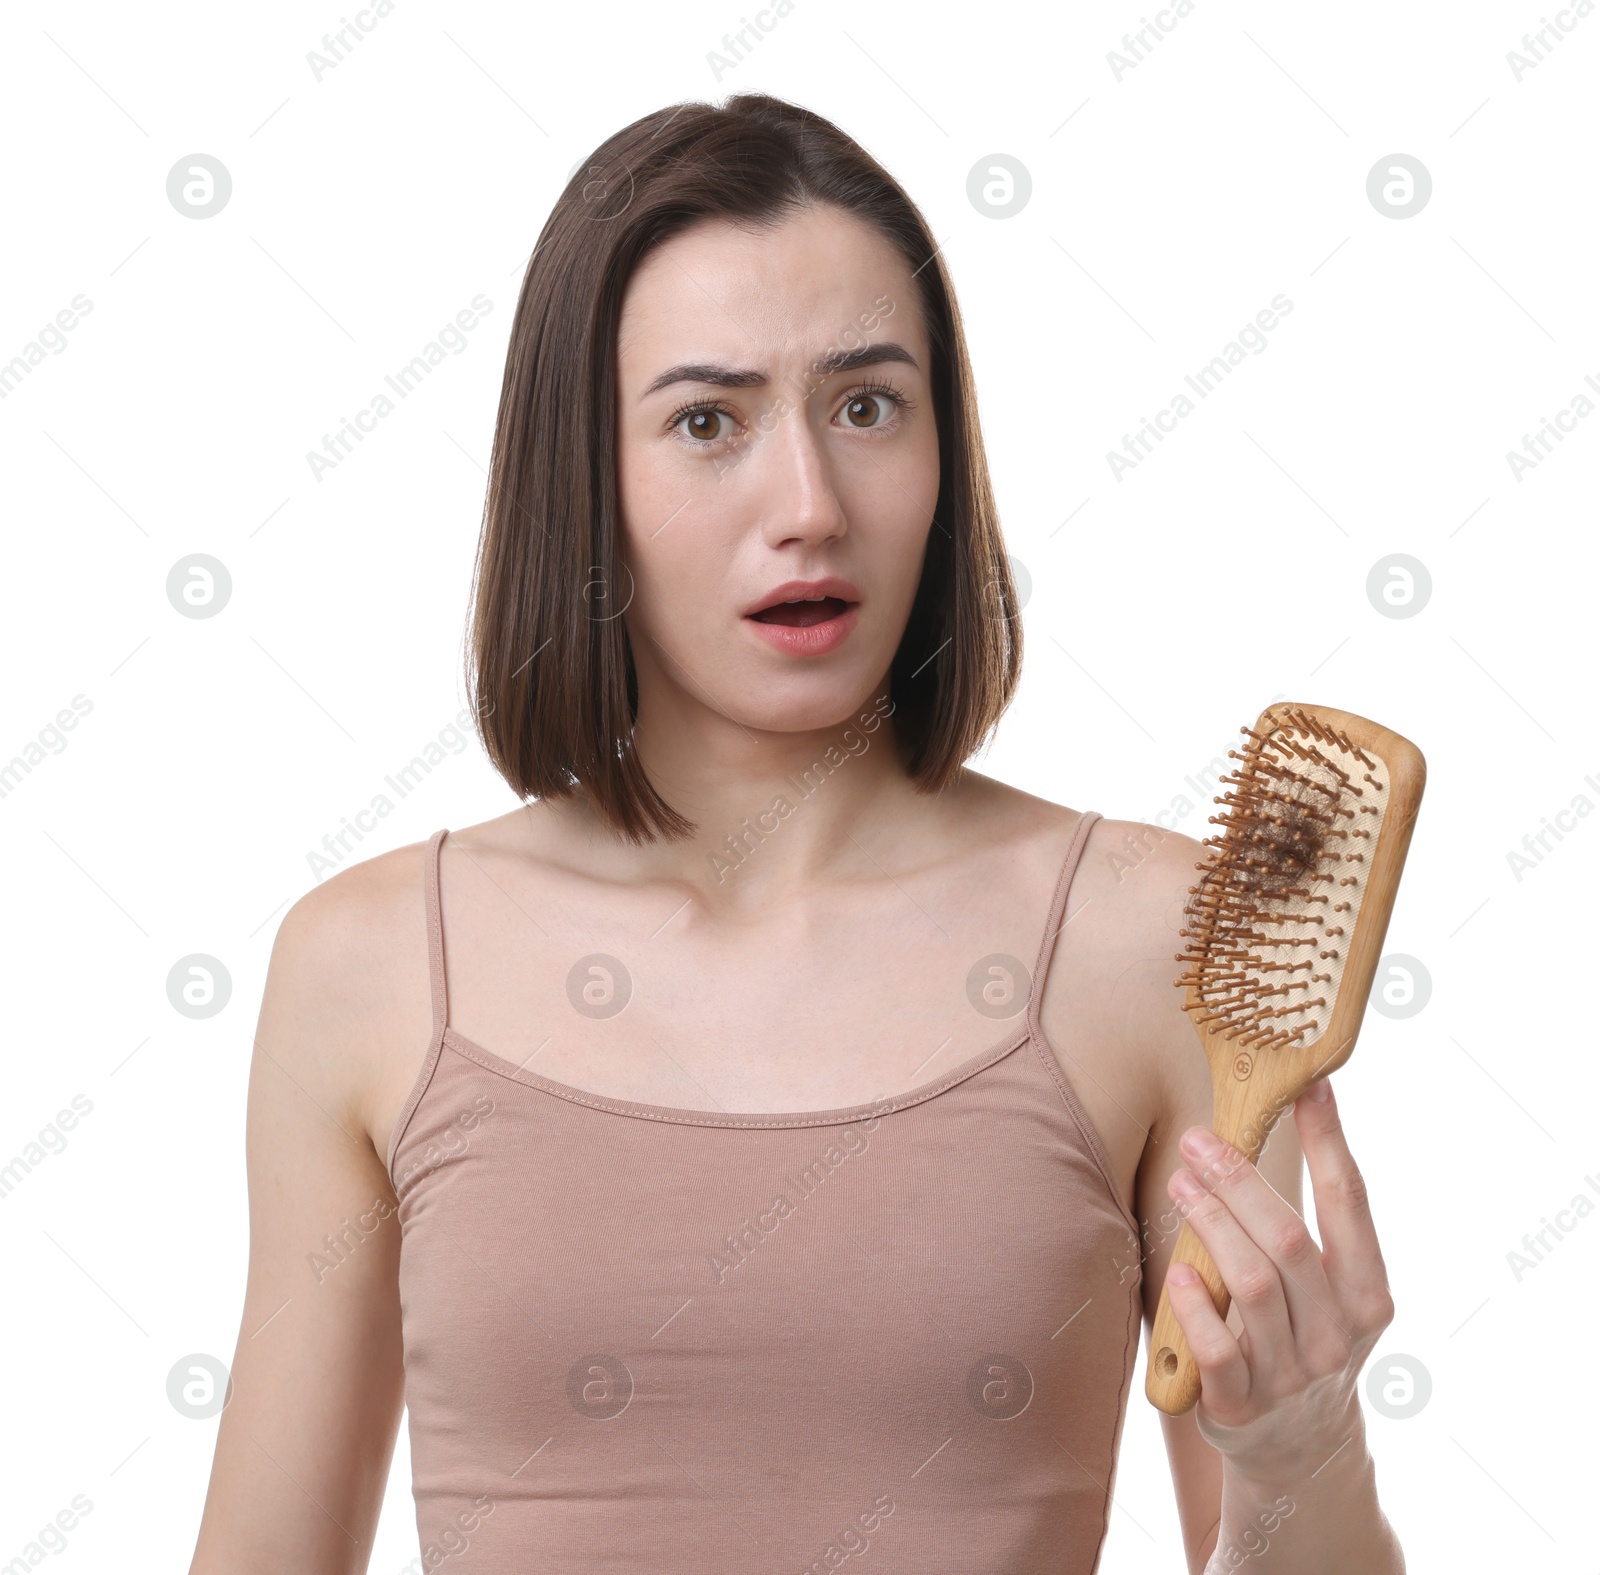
(801, 502)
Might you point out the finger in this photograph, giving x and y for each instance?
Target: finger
(1224, 1372)
(1352, 1258)
(1276, 1228)
(1252, 1280)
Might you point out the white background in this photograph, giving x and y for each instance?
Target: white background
(1167, 208)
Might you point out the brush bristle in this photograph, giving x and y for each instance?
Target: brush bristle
(1269, 924)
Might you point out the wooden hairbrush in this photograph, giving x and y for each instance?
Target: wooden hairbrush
(1285, 929)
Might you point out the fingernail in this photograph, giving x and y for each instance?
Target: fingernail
(1182, 1274)
(1319, 1091)
(1203, 1142)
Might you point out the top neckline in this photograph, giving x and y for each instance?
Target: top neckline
(684, 1116)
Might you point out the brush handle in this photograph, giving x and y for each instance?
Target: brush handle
(1172, 1381)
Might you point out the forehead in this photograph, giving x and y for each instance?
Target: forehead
(793, 290)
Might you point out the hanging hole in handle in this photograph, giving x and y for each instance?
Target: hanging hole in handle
(1166, 1361)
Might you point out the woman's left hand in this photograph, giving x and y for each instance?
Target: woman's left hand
(1278, 1398)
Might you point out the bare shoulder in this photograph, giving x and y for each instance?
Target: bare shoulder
(1125, 909)
(1109, 1010)
(1127, 905)
(348, 984)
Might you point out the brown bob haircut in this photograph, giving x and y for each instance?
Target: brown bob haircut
(549, 665)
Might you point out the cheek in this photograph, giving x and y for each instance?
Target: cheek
(894, 514)
(679, 583)
(652, 547)
(897, 487)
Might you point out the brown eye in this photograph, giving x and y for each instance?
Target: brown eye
(883, 398)
(703, 425)
(862, 405)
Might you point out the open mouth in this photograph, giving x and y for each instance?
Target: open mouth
(802, 614)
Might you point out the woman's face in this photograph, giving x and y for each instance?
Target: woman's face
(748, 459)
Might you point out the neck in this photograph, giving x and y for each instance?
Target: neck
(775, 811)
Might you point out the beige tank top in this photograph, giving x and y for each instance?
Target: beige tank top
(897, 1337)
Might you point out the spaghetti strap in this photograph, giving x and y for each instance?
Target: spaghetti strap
(441, 999)
(441, 1009)
(1055, 923)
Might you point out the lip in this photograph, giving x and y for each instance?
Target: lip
(815, 639)
(805, 590)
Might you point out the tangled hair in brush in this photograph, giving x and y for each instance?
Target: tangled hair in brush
(1268, 921)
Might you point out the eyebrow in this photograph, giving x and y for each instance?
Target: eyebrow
(829, 364)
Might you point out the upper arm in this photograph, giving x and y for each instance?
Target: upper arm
(1182, 1079)
(304, 1443)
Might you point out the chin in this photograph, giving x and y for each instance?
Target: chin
(807, 703)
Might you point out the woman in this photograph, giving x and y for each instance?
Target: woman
(706, 1151)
